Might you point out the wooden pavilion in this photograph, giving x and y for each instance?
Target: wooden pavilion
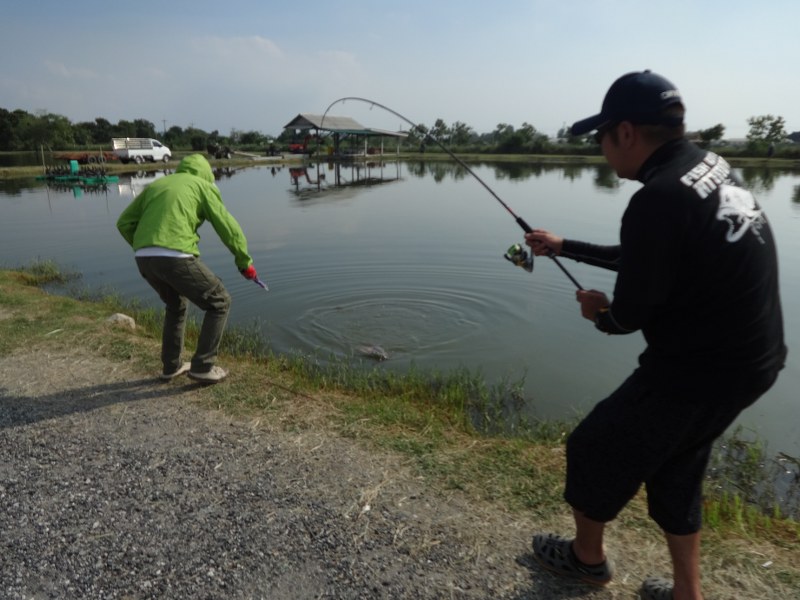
(338, 129)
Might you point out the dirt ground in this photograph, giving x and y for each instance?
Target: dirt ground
(116, 485)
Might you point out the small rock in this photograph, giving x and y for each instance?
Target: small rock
(120, 320)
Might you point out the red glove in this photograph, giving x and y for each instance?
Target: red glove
(249, 272)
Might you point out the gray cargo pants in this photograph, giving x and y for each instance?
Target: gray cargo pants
(177, 280)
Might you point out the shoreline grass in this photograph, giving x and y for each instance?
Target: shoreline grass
(437, 419)
(114, 167)
(426, 418)
(420, 419)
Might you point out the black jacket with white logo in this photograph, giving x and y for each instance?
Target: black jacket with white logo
(697, 272)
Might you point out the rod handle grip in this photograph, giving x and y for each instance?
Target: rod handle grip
(525, 227)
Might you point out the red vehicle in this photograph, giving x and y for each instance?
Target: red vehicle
(297, 147)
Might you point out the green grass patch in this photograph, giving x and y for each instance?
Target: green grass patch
(39, 272)
(454, 429)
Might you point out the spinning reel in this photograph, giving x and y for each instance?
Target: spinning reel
(520, 257)
(516, 254)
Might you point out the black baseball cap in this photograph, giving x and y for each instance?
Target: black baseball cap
(639, 97)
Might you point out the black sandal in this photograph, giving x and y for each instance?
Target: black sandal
(555, 554)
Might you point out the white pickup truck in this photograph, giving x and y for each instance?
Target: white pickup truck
(140, 150)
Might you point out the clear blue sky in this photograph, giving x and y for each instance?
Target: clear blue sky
(255, 64)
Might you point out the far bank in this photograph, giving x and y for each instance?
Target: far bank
(116, 167)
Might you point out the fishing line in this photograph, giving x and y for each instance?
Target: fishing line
(515, 253)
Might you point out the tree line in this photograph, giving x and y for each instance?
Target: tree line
(21, 130)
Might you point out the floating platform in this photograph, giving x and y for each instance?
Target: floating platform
(74, 176)
(79, 179)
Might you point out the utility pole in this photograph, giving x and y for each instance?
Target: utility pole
(164, 127)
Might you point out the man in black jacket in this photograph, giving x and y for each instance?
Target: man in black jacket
(697, 274)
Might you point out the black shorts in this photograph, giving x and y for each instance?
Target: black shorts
(641, 434)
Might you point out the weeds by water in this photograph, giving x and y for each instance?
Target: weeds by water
(41, 272)
(744, 486)
(742, 470)
(438, 418)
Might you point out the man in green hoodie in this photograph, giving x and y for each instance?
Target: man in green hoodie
(161, 226)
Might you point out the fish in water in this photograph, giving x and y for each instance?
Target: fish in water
(373, 352)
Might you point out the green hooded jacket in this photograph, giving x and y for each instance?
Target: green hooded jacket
(170, 210)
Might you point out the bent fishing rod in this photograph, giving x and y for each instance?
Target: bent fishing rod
(516, 254)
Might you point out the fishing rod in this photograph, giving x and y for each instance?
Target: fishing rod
(516, 253)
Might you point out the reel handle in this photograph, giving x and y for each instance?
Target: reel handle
(527, 229)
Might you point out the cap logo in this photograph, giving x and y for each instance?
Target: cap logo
(670, 94)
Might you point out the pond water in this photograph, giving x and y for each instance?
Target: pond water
(409, 256)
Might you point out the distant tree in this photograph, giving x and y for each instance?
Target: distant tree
(440, 131)
(83, 133)
(526, 133)
(712, 134)
(125, 129)
(461, 133)
(59, 130)
(416, 138)
(144, 129)
(45, 129)
(198, 139)
(514, 141)
(9, 129)
(540, 144)
(766, 128)
(485, 139)
(103, 132)
(252, 138)
(794, 136)
(174, 137)
(565, 135)
(502, 133)
(286, 136)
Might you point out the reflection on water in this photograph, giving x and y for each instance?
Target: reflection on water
(18, 185)
(133, 184)
(340, 174)
(603, 176)
(762, 179)
(19, 159)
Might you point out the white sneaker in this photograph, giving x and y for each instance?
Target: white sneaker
(215, 375)
(181, 370)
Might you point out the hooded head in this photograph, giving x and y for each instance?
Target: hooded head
(197, 165)
(639, 98)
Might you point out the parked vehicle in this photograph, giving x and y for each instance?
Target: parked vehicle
(217, 151)
(304, 147)
(140, 150)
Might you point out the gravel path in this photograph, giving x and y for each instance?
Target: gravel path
(114, 486)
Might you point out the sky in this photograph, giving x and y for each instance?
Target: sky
(253, 65)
